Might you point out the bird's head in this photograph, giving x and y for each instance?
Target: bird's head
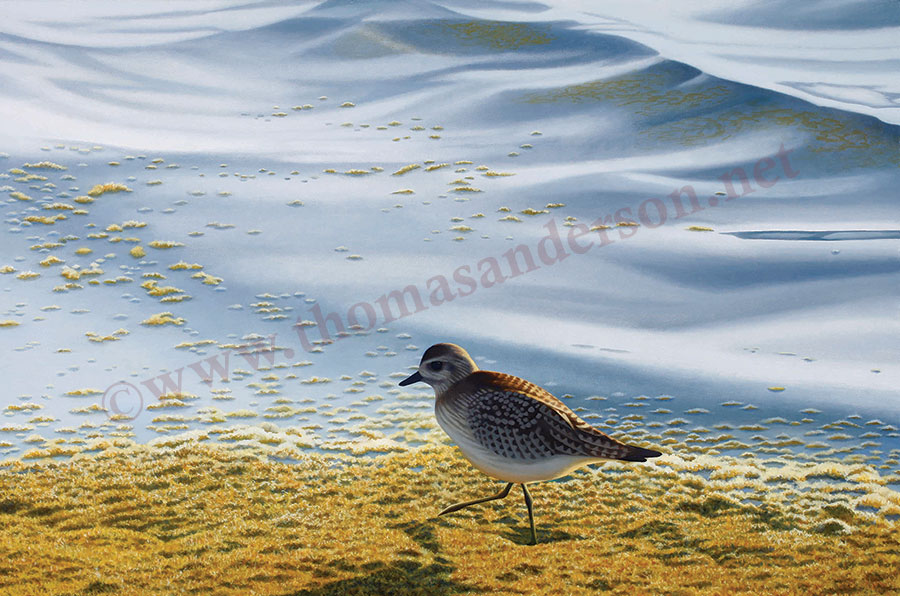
(441, 366)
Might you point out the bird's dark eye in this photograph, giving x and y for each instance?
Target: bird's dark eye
(435, 366)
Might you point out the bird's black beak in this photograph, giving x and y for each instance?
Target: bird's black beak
(413, 378)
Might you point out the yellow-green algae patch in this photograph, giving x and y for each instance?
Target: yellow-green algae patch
(163, 244)
(406, 168)
(181, 517)
(46, 165)
(660, 89)
(494, 35)
(109, 187)
(163, 318)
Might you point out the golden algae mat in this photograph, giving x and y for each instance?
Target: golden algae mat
(209, 520)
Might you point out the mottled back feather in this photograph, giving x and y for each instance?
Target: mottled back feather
(518, 419)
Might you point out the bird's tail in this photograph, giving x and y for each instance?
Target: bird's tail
(639, 454)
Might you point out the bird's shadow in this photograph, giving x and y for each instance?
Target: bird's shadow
(420, 532)
(407, 577)
(402, 578)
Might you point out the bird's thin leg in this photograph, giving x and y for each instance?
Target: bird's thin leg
(529, 503)
(459, 506)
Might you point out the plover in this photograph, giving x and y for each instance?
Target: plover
(509, 428)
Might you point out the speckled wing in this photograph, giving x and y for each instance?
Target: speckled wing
(517, 419)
